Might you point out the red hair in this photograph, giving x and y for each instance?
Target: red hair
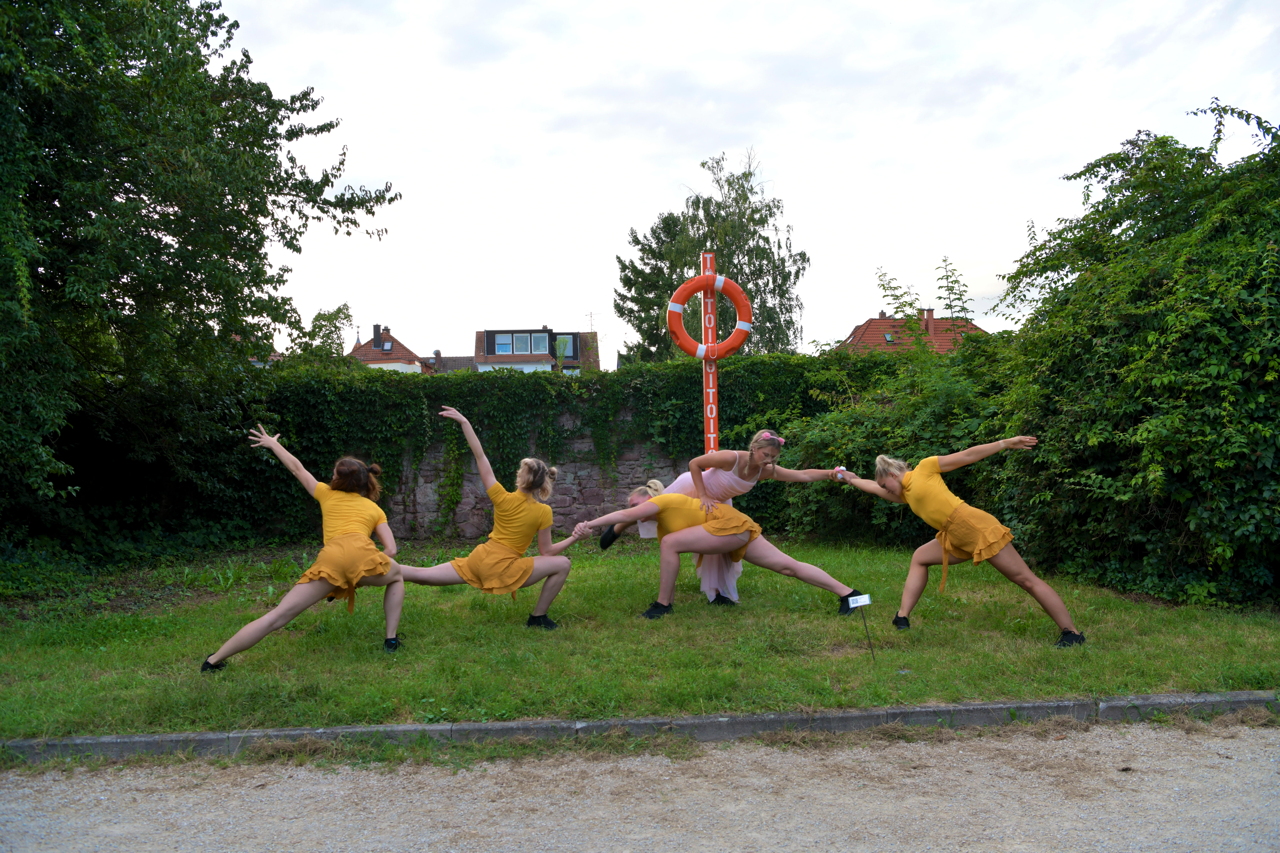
(352, 475)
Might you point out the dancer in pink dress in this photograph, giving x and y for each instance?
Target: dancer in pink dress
(719, 477)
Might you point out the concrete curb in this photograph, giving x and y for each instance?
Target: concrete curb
(705, 728)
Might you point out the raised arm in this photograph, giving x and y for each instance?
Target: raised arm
(871, 487)
(473, 441)
(648, 509)
(546, 549)
(952, 461)
(259, 438)
(725, 460)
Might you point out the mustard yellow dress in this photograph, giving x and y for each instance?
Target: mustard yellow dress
(498, 564)
(348, 555)
(677, 512)
(963, 531)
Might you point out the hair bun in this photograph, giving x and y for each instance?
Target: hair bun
(375, 469)
(552, 472)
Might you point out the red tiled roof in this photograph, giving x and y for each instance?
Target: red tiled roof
(942, 334)
(398, 354)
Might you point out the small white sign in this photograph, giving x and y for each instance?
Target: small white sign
(859, 601)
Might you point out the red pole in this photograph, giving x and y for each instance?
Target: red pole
(710, 378)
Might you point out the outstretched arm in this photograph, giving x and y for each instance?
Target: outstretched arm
(725, 460)
(259, 438)
(807, 475)
(952, 461)
(648, 509)
(871, 487)
(473, 441)
(546, 549)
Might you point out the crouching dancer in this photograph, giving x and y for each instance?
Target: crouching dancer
(348, 559)
(964, 532)
(498, 565)
(684, 527)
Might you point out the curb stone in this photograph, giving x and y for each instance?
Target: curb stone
(702, 728)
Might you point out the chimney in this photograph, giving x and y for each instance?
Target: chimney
(882, 316)
(377, 336)
(928, 322)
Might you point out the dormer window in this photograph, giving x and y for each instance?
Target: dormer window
(888, 338)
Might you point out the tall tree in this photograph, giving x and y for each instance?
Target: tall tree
(742, 225)
(143, 176)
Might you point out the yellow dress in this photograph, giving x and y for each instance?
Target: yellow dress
(498, 565)
(348, 555)
(963, 531)
(677, 512)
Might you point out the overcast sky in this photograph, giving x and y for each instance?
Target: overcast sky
(528, 138)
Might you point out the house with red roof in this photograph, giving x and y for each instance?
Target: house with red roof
(941, 334)
(386, 352)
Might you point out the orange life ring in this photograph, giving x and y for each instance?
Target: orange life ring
(675, 316)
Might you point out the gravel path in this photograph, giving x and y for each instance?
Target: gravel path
(1111, 788)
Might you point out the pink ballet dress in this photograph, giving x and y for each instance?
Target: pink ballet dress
(716, 571)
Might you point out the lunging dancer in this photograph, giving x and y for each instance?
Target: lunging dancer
(348, 559)
(964, 532)
(685, 527)
(498, 565)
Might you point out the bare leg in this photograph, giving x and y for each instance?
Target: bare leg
(442, 575)
(1010, 564)
(766, 555)
(553, 572)
(392, 596)
(928, 554)
(295, 601)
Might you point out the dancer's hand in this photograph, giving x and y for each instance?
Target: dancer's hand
(840, 474)
(259, 438)
(709, 506)
(1020, 442)
(453, 414)
(581, 530)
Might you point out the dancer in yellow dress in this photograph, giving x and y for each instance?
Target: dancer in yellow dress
(685, 527)
(964, 532)
(498, 565)
(348, 559)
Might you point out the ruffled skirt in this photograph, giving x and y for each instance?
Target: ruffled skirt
(971, 534)
(494, 568)
(344, 561)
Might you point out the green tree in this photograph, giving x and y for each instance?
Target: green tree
(143, 176)
(1148, 366)
(741, 224)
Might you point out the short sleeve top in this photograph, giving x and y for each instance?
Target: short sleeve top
(517, 518)
(927, 495)
(676, 512)
(347, 512)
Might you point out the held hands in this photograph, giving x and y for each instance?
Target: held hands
(1019, 442)
(582, 530)
(259, 438)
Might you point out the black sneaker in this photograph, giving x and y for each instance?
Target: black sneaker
(845, 609)
(902, 623)
(212, 667)
(723, 600)
(391, 644)
(657, 611)
(607, 538)
(1070, 638)
(542, 621)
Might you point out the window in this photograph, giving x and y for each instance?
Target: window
(564, 346)
(888, 338)
(521, 344)
(502, 344)
(540, 342)
(386, 346)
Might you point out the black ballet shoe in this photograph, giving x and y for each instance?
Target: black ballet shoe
(845, 609)
(212, 667)
(1069, 638)
(723, 600)
(902, 623)
(542, 621)
(608, 537)
(657, 610)
(391, 644)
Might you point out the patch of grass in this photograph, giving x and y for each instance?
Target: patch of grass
(124, 659)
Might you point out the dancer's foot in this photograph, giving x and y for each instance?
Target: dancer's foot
(212, 667)
(543, 621)
(902, 623)
(608, 537)
(845, 607)
(1070, 638)
(723, 600)
(391, 644)
(657, 611)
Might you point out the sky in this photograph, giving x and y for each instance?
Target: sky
(528, 138)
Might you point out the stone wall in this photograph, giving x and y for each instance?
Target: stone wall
(583, 491)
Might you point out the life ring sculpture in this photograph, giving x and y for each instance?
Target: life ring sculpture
(675, 317)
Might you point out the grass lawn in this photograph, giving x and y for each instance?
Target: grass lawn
(123, 655)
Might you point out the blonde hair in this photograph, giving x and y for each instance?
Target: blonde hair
(887, 466)
(536, 477)
(766, 438)
(651, 489)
